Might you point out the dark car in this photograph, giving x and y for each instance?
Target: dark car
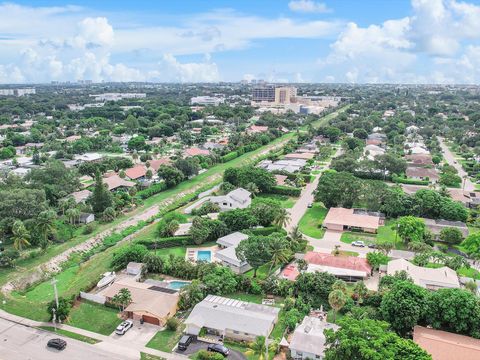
(219, 348)
(184, 342)
(58, 344)
(372, 246)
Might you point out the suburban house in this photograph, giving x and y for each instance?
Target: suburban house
(115, 182)
(340, 219)
(227, 256)
(436, 226)
(254, 129)
(230, 318)
(153, 304)
(419, 160)
(348, 268)
(371, 151)
(194, 151)
(432, 279)
(235, 199)
(81, 196)
(155, 164)
(86, 218)
(288, 165)
(308, 340)
(421, 173)
(300, 155)
(137, 172)
(442, 345)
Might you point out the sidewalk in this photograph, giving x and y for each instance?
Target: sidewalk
(106, 343)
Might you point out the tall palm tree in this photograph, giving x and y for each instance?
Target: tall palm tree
(258, 348)
(20, 235)
(337, 300)
(45, 226)
(123, 298)
(135, 156)
(340, 285)
(296, 238)
(73, 215)
(282, 218)
(279, 252)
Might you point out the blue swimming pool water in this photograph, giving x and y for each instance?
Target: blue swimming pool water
(204, 255)
(176, 284)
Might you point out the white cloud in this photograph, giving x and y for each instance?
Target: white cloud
(189, 72)
(308, 6)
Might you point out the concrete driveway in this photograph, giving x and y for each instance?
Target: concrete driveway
(137, 334)
(196, 346)
(332, 235)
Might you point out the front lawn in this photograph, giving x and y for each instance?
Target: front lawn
(71, 335)
(345, 253)
(349, 237)
(165, 340)
(286, 202)
(94, 317)
(311, 222)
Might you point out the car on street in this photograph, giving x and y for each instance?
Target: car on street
(58, 344)
(372, 246)
(219, 348)
(184, 342)
(123, 327)
(358, 243)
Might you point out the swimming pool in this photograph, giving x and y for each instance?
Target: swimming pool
(177, 284)
(204, 255)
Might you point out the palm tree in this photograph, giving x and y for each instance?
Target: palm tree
(360, 290)
(253, 188)
(135, 156)
(45, 226)
(340, 285)
(123, 298)
(258, 348)
(73, 215)
(337, 300)
(279, 252)
(20, 235)
(282, 218)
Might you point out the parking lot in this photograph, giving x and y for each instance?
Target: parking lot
(196, 346)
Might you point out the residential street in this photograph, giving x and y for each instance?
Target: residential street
(450, 158)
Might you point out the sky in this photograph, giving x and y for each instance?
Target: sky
(341, 41)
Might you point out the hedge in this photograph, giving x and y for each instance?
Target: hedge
(401, 180)
(230, 156)
(286, 190)
(152, 190)
(168, 242)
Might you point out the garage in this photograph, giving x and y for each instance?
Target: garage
(151, 320)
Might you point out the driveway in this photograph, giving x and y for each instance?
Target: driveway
(332, 235)
(137, 334)
(200, 345)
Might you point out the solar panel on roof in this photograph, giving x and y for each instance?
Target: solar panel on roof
(162, 289)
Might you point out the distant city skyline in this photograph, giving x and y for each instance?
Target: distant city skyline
(346, 41)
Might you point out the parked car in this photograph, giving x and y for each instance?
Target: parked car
(372, 246)
(310, 205)
(184, 342)
(123, 327)
(58, 344)
(219, 348)
(358, 243)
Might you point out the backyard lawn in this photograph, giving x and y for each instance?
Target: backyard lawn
(70, 334)
(311, 221)
(165, 340)
(94, 317)
(286, 202)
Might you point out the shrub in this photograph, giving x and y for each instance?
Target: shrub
(172, 324)
(402, 180)
(286, 190)
(228, 157)
(123, 256)
(152, 190)
(207, 355)
(64, 307)
(88, 229)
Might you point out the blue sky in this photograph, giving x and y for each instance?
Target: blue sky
(368, 41)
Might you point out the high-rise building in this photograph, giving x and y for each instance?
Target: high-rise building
(285, 94)
(263, 93)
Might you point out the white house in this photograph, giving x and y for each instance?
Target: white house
(308, 340)
(236, 199)
(227, 255)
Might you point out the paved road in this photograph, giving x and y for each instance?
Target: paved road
(306, 197)
(450, 157)
(18, 342)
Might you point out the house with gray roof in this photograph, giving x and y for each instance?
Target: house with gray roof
(235, 199)
(227, 254)
(308, 340)
(436, 226)
(230, 318)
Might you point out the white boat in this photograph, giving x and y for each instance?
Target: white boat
(107, 279)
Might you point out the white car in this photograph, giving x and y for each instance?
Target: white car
(358, 243)
(123, 327)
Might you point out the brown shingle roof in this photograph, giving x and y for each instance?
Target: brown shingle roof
(136, 172)
(342, 262)
(116, 181)
(348, 217)
(443, 345)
